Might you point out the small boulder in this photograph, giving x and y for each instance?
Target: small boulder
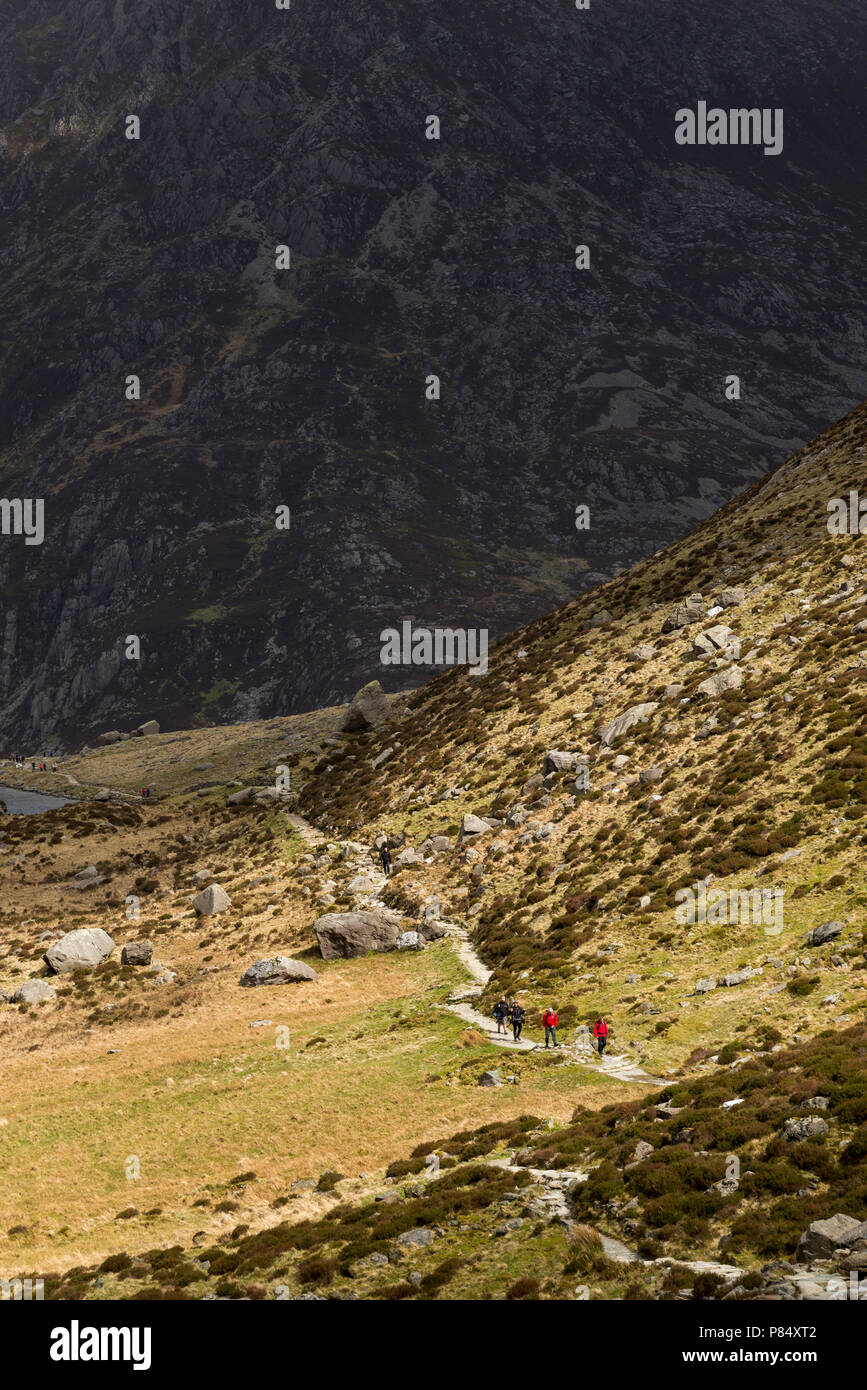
(490, 1078)
(561, 762)
(150, 726)
(212, 901)
(825, 932)
(409, 941)
(732, 678)
(432, 931)
(624, 722)
(473, 825)
(415, 1238)
(798, 1129)
(277, 970)
(112, 736)
(137, 953)
(690, 611)
(33, 992)
(730, 598)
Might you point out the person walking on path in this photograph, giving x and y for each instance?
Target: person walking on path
(501, 1013)
(518, 1014)
(600, 1033)
(549, 1018)
(385, 858)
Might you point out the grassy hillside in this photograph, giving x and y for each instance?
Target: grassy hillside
(348, 1083)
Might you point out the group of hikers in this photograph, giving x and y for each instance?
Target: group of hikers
(34, 766)
(510, 1011)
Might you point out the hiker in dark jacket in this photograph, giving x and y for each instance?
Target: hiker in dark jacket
(600, 1033)
(518, 1014)
(385, 859)
(501, 1013)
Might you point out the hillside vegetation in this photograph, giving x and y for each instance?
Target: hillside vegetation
(745, 768)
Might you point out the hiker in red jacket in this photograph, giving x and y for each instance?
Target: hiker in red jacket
(549, 1018)
(600, 1033)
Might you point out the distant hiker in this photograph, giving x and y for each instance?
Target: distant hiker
(501, 1013)
(518, 1014)
(549, 1018)
(142, 793)
(147, 791)
(54, 767)
(600, 1033)
(385, 858)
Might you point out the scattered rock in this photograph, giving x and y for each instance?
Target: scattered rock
(277, 970)
(819, 935)
(690, 611)
(33, 992)
(490, 1078)
(721, 681)
(150, 726)
(822, 1238)
(808, 1127)
(137, 953)
(624, 722)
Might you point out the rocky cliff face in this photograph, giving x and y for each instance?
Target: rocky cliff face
(306, 387)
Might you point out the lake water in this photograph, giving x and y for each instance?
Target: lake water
(20, 803)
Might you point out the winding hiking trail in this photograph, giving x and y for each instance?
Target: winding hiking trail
(619, 1068)
(459, 1002)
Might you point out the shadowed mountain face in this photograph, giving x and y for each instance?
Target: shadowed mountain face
(305, 387)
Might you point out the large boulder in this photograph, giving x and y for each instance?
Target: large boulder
(278, 970)
(730, 598)
(804, 1127)
(79, 950)
(345, 934)
(369, 709)
(624, 722)
(721, 681)
(212, 900)
(473, 825)
(33, 992)
(408, 856)
(825, 932)
(690, 611)
(111, 736)
(435, 844)
(137, 953)
(150, 726)
(432, 931)
(821, 1238)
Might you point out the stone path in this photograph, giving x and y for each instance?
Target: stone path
(619, 1068)
(309, 834)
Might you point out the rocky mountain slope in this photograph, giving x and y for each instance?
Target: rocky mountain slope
(693, 730)
(306, 387)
